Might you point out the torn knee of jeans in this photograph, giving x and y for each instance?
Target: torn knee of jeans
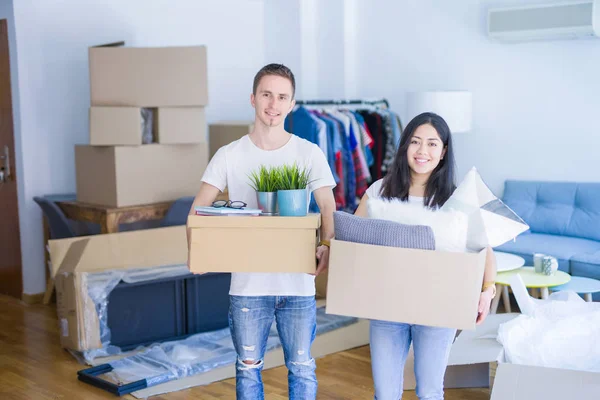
(306, 363)
(249, 363)
(245, 309)
(249, 348)
(300, 355)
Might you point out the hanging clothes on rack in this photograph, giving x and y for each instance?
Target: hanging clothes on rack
(358, 137)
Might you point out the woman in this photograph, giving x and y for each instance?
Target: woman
(422, 173)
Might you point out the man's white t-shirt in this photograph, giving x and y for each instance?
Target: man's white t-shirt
(374, 192)
(230, 167)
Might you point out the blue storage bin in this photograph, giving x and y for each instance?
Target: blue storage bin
(146, 312)
(207, 302)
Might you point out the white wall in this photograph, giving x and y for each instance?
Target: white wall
(308, 37)
(331, 50)
(535, 105)
(52, 39)
(283, 36)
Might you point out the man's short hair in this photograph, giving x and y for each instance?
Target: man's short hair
(278, 70)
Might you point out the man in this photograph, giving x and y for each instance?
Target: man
(257, 298)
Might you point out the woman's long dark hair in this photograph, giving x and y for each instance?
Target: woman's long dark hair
(440, 184)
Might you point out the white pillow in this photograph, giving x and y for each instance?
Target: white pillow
(449, 227)
(491, 222)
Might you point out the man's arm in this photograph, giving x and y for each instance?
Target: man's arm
(205, 197)
(326, 202)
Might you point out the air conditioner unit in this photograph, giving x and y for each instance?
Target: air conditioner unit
(573, 20)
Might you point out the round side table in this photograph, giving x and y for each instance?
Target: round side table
(505, 262)
(508, 262)
(581, 285)
(532, 280)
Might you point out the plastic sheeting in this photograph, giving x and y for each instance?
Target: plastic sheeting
(198, 353)
(561, 332)
(100, 285)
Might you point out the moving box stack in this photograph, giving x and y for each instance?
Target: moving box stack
(224, 132)
(147, 126)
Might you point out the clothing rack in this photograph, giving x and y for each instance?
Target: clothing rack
(350, 124)
(343, 102)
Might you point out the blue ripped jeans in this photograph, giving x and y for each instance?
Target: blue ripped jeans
(250, 320)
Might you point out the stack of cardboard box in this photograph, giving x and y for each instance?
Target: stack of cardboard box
(147, 126)
(222, 133)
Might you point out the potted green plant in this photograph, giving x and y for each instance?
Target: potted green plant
(292, 193)
(264, 181)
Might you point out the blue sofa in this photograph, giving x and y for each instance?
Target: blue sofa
(564, 221)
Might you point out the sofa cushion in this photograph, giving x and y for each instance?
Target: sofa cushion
(586, 265)
(556, 208)
(561, 247)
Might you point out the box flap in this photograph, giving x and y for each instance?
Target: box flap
(480, 345)
(134, 249)
(528, 305)
(425, 287)
(471, 356)
(311, 221)
(523, 382)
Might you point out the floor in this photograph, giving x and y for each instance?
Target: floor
(33, 366)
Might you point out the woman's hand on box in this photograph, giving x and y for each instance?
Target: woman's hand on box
(485, 301)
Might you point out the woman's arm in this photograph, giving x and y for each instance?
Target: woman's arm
(361, 211)
(489, 274)
(488, 291)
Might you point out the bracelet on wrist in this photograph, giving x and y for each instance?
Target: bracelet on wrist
(325, 243)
